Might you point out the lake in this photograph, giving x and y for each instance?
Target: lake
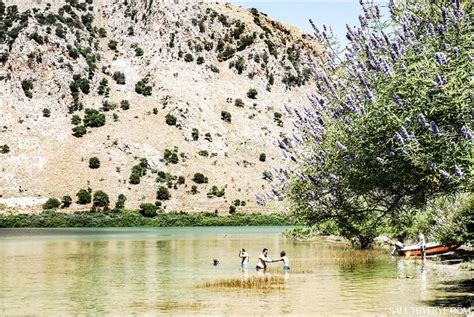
(151, 271)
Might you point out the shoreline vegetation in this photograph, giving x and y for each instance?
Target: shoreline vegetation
(129, 218)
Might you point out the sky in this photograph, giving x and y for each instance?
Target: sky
(335, 13)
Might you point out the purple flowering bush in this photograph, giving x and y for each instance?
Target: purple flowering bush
(390, 124)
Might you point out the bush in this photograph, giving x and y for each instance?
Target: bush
(226, 116)
(148, 210)
(232, 209)
(66, 201)
(119, 78)
(79, 131)
(214, 69)
(239, 103)
(125, 104)
(93, 118)
(200, 60)
(100, 200)
(27, 85)
(163, 193)
(188, 57)
(102, 32)
(199, 178)
(76, 120)
(170, 119)
(139, 51)
(204, 153)
(94, 162)
(252, 93)
(113, 45)
(51, 203)
(4, 149)
(228, 53)
(171, 156)
(216, 192)
(120, 203)
(240, 65)
(194, 190)
(103, 87)
(262, 157)
(46, 113)
(195, 134)
(84, 196)
(142, 88)
(134, 178)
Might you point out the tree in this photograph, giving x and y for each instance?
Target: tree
(120, 203)
(100, 200)
(163, 193)
(94, 162)
(142, 87)
(170, 119)
(93, 118)
(51, 203)
(262, 157)
(139, 51)
(226, 116)
(79, 131)
(148, 210)
(119, 78)
(66, 201)
(199, 178)
(195, 134)
(188, 57)
(4, 149)
(252, 93)
(390, 126)
(46, 113)
(84, 197)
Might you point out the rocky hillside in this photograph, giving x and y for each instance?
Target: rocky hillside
(178, 104)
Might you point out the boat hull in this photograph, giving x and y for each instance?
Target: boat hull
(430, 250)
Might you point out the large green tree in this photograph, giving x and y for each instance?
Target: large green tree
(390, 123)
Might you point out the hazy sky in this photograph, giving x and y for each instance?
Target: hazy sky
(335, 13)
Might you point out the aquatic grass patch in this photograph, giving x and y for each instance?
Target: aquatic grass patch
(268, 282)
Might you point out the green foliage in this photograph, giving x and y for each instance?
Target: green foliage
(171, 156)
(84, 196)
(194, 190)
(142, 87)
(252, 93)
(76, 120)
(239, 103)
(240, 65)
(163, 193)
(262, 157)
(124, 104)
(228, 53)
(216, 192)
(37, 38)
(120, 203)
(79, 131)
(27, 85)
(200, 60)
(188, 57)
(127, 218)
(199, 178)
(226, 116)
(112, 45)
(51, 203)
(139, 51)
(4, 149)
(104, 88)
(102, 32)
(93, 118)
(134, 179)
(204, 153)
(46, 113)
(195, 134)
(100, 200)
(170, 119)
(66, 201)
(119, 78)
(148, 210)
(214, 69)
(94, 162)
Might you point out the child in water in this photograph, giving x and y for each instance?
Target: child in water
(286, 262)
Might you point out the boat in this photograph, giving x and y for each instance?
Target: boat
(432, 248)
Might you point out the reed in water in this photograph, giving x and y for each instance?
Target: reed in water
(253, 282)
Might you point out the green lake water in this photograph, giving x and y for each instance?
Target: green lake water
(157, 271)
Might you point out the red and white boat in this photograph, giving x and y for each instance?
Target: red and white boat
(432, 248)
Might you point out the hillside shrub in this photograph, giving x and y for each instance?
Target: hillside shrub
(66, 201)
(200, 178)
(252, 93)
(170, 119)
(119, 78)
(148, 210)
(84, 196)
(163, 193)
(94, 162)
(51, 203)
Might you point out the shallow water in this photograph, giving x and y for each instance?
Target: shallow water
(162, 271)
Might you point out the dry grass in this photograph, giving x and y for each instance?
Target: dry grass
(253, 282)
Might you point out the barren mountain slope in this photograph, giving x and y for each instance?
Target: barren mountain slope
(152, 73)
